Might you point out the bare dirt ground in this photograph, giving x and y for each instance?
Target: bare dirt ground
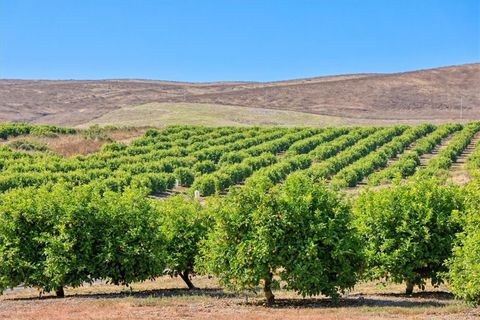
(434, 95)
(166, 298)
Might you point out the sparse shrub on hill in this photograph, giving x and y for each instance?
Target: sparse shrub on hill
(298, 233)
(409, 230)
(97, 133)
(28, 145)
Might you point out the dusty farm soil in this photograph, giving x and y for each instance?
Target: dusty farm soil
(426, 95)
(166, 298)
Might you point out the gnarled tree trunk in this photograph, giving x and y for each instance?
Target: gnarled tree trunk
(409, 289)
(267, 289)
(186, 279)
(59, 292)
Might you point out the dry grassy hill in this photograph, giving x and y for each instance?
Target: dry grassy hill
(425, 95)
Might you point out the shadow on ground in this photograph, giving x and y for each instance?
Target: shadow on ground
(156, 293)
(417, 300)
(353, 302)
(437, 295)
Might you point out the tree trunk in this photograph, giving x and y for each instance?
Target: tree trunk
(267, 289)
(409, 289)
(186, 279)
(59, 292)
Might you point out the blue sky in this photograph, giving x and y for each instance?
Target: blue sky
(193, 40)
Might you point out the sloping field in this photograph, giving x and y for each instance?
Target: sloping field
(165, 114)
(434, 95)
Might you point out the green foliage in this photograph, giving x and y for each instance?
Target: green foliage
(300, 232)
(16, 129)
(408, 230)
(97, 133)
(205, 185)
(28, 145)
(130, 247)
(233, 157)
(114, 146)
(407, 163)
(155, 183)
(342, 159)
(473, 161)
(355, 172)
(204, 167)
(46, 237)
(444, 159)
(184, 176)
(464, 266)
(53, 237)
(308, 144)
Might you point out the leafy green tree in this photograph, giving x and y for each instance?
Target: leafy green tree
(408, 230)
(185, 176)
(56, 236)
(298, 234)
(184, 224)
(464, 266)
(204, 167)
(46, 238)
(205, 185)
(131, 245)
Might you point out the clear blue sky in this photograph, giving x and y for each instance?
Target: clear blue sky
(195, 40)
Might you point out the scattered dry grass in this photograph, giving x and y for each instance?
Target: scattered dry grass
(78, 144)
(166, 298)
(68, 146)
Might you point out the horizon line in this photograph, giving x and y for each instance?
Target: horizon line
(242, 81)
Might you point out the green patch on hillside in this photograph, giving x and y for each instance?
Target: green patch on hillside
(163, 114)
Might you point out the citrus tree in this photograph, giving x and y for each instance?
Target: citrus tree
(131, 245)
(184, 224)
(46, 238)
(408, 230)
(298, 234)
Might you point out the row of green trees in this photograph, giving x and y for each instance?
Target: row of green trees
(473, 163)
(407, 163)
(355, 172)
(363, 147)
(16, 129)
(300, 235)
(120, 164)
(447, 156)
(229, 155)
(54, 236)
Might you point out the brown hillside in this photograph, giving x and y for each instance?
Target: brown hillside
(425, 95)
